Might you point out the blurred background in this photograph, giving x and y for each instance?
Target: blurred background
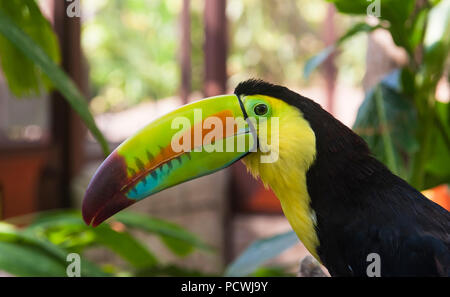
(126, 63)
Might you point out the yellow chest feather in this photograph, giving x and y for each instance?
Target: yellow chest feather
(287, 176)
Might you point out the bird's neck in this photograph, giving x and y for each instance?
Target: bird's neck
(287, 176)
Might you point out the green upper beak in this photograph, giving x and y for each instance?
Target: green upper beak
(195, 140)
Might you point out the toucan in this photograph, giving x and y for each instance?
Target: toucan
(343, 204)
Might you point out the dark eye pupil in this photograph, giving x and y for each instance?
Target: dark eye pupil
(260, 109)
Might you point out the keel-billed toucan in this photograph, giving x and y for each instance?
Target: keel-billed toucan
(342, 203)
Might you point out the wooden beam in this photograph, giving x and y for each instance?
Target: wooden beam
(215, 47)
(215, 81)
(66, 127)
(185, 52)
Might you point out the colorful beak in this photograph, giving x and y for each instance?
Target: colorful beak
(194, 140)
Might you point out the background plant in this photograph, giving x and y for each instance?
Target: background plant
(29, 59)
(400, 118)
(30, 56)
(405, 126)
(41, 248)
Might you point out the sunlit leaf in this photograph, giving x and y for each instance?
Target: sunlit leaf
(436, 43)
(418, 28)
(24, 254)
(394, 11)
(438, 27)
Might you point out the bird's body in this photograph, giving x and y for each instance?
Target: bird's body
(357, 206)
(343, 204)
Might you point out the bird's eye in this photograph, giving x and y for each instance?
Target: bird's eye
(260, 109)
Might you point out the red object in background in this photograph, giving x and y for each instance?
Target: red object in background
(20, 172)
(249, 194)
(440, 195)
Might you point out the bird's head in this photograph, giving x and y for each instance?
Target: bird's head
(267, 126)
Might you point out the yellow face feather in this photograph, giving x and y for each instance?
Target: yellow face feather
(296, 151)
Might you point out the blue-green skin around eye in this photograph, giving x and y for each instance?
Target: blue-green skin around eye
(250, 106)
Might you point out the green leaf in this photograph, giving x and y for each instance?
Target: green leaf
(24, 254)
(122, 243)
(357, 28)
(351, 7)
(437, 170)
(126, 246)
(51, 218)
(387, 140)
(438, 26)
(176, 238)
(178, 247)
(23, 76)
(60, 80)
(391, 124)
(318, 59)
(28, 260)
(395, 11)
(390, 10)
(443, 115)
(259, 252)
(407, 78)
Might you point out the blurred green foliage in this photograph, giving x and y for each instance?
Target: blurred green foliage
(132, 46)
(132, 49)
(41, 248)
(24, 77)
(29, 56)
(401, 120)
(263, 46)
(273, 42)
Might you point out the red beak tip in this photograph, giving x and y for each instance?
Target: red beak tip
(103, 196)
(87, 220)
